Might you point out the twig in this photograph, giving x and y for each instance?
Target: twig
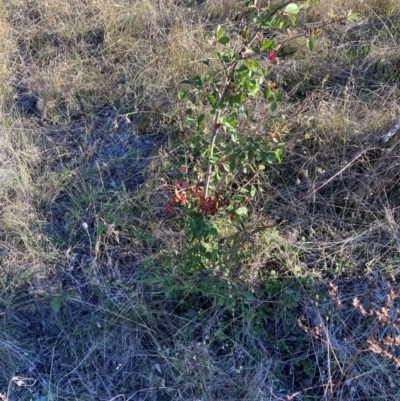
(335, 175)
(380, 139)
(384, 138)
(283, 5)
(333, 343)
(225, 86)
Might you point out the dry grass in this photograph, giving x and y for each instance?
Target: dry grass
(87, 109)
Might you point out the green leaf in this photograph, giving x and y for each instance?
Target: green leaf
(227, 167)
(224, 40)
(352, 17)
(267, 21)
(276, 22)
(250, 155)
(231, 100)
(206, 62)
(249, 296)
(56, 304)
(274, 106)
(182, 95)
(242, 70)
(311, 44)
(198, 82)
(271, 158)
(253, 191)
(101, 228)
(242, 211)
(234, 137)
(269, 44)
(267, 93)
(292, 8)
(237, 199)
(231, 121)
(214, 159)
(253, 64)
(252, 16)
(251, 85)
(200, 118)
(211, 99)
(220, 106)
(219, 32)
(293, 19)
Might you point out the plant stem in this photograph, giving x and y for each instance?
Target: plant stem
(212, 145)
(227, 79)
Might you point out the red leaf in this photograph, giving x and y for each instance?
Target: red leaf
(218, 126)
(183, 135)
(195, 191)
(183, 200)
(153, 220)
(170, 207)
(272, 56)
(177, 196)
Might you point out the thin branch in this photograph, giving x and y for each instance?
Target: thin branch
(283, 5)
(215, 129)
(335, 175)
(384, 138)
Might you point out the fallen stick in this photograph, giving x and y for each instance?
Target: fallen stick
(379, 139)
(384, 138)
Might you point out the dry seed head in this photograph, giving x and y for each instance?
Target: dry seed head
(337, 303)
(302, 325)
(332, 289)
(375, 347)
(357, 305)
(391, 342)
(390, 296)
(382, 315)
(332, 292)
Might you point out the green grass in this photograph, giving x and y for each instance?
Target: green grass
(96, 299)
